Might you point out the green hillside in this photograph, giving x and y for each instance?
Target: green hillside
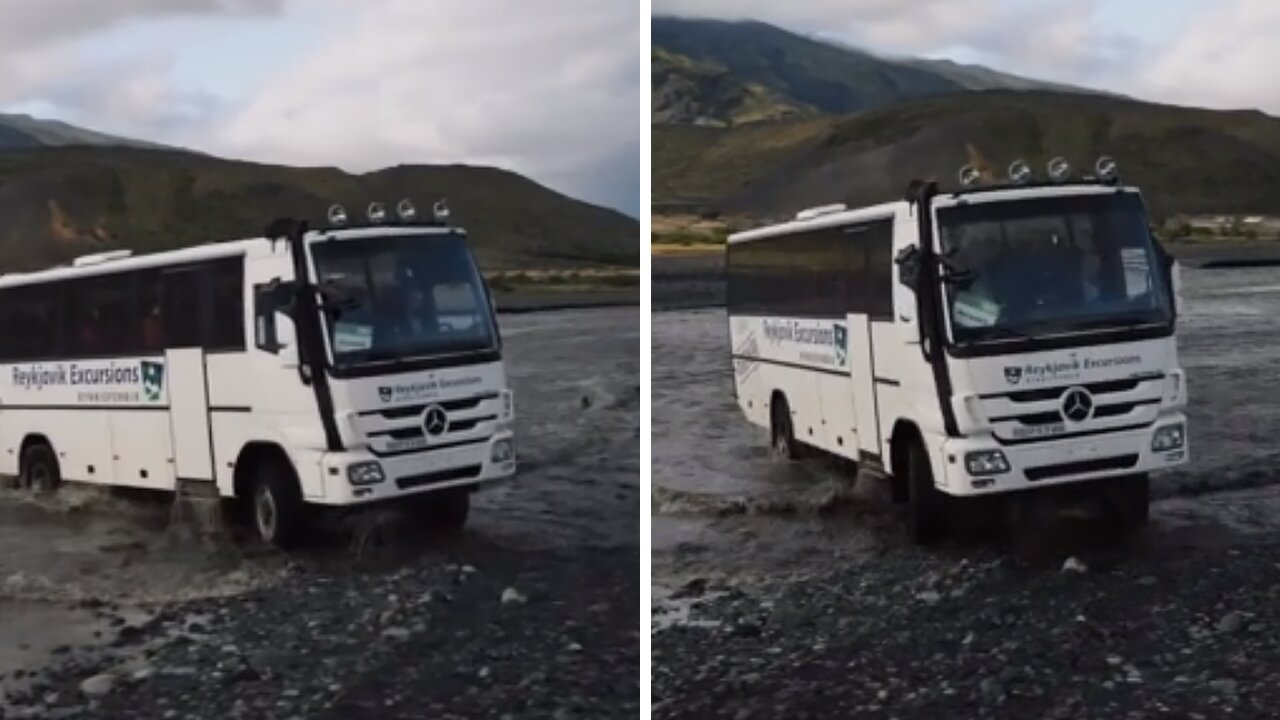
(1185, 160)
(60, 202)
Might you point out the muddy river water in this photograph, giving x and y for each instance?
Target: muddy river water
(575, 376)
(723, 507)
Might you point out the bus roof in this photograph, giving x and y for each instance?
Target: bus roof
(208, 251)
(830, 219)
(882, 211)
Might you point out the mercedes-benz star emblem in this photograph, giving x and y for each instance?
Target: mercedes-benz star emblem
(1077, 405)
(435, 421)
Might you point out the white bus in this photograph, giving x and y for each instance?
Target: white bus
(327, 367)
(995, 339)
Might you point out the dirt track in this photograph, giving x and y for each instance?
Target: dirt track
(790, 590)
(534, 613)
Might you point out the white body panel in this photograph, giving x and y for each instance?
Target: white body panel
(879, 383)
(191, 413)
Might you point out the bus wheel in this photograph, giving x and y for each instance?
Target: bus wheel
(446, 511)
(926, 507)
(783, 436)
(40, 471)
(276, 505)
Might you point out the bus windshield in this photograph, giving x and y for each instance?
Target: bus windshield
(402, 297)
(1045, 266)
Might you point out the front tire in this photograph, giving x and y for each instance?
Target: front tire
(41, 472)
(275, 505)
(1131, 501)
(926, 506)
(445, 511)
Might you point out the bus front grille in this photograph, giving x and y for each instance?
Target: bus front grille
(1046, 472)
(441, 476)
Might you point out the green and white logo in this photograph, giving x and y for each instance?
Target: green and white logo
(152, 380)
(841, 344)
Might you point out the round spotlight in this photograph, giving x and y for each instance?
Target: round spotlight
(1106, 168)
(337, 215)
(406, 211)
(969, 176)
(377, 212)
(1019, 172)
(441, 211)
(1059, 169)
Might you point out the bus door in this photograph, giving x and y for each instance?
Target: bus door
(189, 413)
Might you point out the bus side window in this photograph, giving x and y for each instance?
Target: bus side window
(151, 321)
(181, 307)
(226, 316)
(265, 305)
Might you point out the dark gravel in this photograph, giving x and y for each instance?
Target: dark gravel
(916, 635)
(432, 641)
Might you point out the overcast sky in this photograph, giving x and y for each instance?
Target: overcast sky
(1207, 53)
(550, 89)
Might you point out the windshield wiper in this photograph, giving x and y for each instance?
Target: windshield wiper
(1115, 321)
(1000, 331)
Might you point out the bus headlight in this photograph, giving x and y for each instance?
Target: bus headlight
(1169, 437)
(986, 462)
(503, 451)
(365, 473)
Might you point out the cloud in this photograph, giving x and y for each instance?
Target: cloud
(1223, 58)
(550, 90)
(25, 24)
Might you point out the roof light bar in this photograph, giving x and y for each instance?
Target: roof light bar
(1059, 169)
(406, 211)
(1106, 168)
(1019, 172)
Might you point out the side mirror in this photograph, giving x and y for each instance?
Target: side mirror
(908, 262)
(280, 294)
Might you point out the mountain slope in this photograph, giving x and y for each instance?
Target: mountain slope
(978, 77)
(1185, 160)
(24, 131)
(61, 202)
(702, 70)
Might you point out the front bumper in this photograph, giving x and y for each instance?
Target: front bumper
(416, 473)
(1055, 462)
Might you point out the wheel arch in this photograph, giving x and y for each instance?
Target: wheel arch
(29, 441)
(251, 457)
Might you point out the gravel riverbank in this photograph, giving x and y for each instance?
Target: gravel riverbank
(916, 635)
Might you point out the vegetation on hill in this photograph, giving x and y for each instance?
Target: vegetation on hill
(1185, 160)
(61, 202)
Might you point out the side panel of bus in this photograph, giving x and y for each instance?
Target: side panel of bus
(109, 368)
(805, 309)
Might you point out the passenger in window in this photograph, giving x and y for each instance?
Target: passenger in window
(153, 329)
(90, 342)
